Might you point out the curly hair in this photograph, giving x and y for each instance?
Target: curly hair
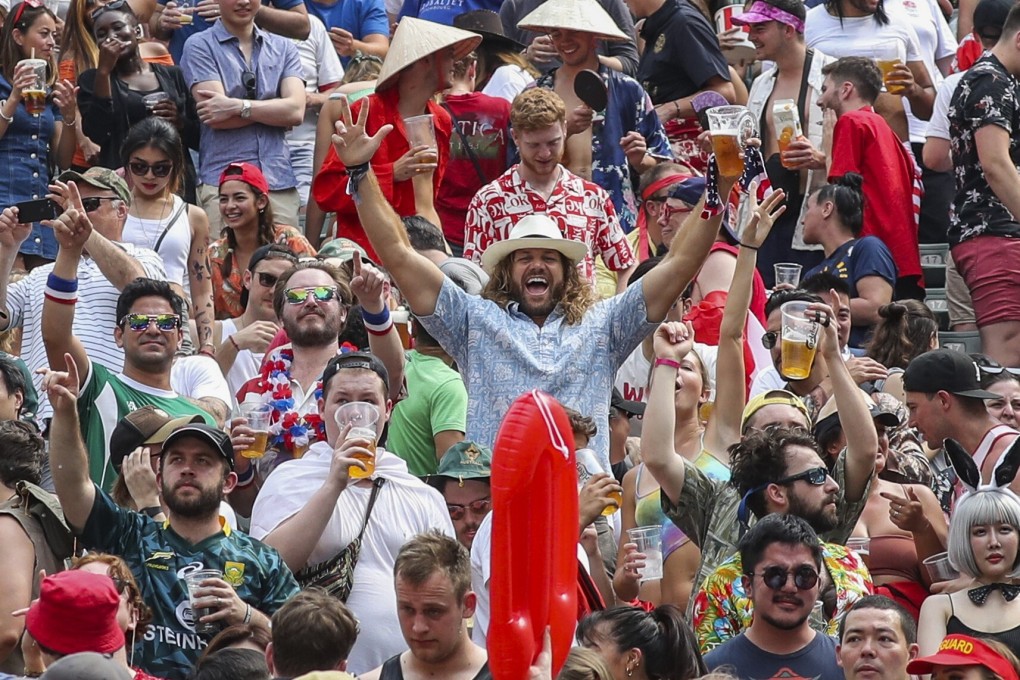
(119, 571)
(578, 295)
(904, 331)
(760, 458)
(537, 109)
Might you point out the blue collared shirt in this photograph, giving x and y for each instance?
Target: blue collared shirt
(502, 354)
(629, 108)
(216, 55)
(360, 18)
(180, 36)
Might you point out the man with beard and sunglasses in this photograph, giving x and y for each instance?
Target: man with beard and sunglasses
(782, 560)
(196, 470)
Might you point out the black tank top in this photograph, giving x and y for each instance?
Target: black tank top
(1010, 638)
(391, 670)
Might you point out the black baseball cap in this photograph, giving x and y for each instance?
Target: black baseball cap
(348, 360)
(634, 408)
(146, 425)
(945, 370)
(989, 17)
(216, 438)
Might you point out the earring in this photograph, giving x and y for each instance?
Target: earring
(630, 672)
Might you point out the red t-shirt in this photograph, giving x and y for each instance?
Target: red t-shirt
(485, 122)
(863, 142)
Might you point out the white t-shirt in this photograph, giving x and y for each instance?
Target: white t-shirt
(246, 364)
(198, 376)
(860, 36)
(938, 126)
(175, 247)
(507, 82)
(320, 65)
(404, 507)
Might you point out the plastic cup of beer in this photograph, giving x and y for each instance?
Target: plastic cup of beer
(34, 95)
(730, 127)
(800, 341)
(888, 57)
(649, 542)
(258, 416)
(787, 272)
(154, 98)
(401, 319)
(362, 417)
(185, 19)
(616, 497)
(421, 131)
(193, 581)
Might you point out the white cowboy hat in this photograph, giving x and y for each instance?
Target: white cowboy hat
(534, 231)
(587, 16)
(416, 39)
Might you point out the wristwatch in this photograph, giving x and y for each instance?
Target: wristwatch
(245, 109)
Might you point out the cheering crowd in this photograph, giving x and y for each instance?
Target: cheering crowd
(271, 276)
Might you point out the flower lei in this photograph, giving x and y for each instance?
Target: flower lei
(289, 430)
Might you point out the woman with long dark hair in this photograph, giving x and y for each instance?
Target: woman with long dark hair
(905, 329)
(161, 220)
(31, 140)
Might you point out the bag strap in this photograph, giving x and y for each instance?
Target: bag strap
(170, 224)
(376, 485)
(464, 143)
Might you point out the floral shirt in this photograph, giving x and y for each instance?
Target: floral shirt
(722, 608)
(629, 109)
(986, 95)
(227, 291)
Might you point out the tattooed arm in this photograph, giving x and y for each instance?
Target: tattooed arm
(113, 261)
(200, 277)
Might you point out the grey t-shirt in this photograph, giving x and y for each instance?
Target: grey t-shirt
(747, 661)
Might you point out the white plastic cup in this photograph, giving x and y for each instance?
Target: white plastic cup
(193, 581)
(421, 131)
(939, 568)
(787, 272)
(649, 542)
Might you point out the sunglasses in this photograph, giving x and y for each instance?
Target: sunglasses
(120, 584)
(668, 210)
(297, 296)
(34, 4)
(140, 322)
(992, 367)
(250, 89)
(115, 6)
(770, 339)
(267, 280)
(804, 577)
(91, 204)
(479, 507)
(814, 477)
(141, 168)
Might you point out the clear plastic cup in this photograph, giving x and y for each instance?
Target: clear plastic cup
(362, 417)
(154, 98)
(787, 272)
(193, 581)
(731, 127)
(649, 543)
(34, 95)
(421, 131)
(939, 568)
(258, 416)
(799, 341)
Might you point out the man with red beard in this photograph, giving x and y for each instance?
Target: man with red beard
(581, 210)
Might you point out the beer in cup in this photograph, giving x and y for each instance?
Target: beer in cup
(258, 416)
(186, 7)
(34, 95)
(799, 341)
(421, 131)
(786, 119)
(731, 126)
(588, 467)
(887, 57)
(362, 417)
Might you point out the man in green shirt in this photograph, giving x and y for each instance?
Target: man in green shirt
(148, 329)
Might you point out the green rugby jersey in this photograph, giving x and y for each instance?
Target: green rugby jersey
(160, 559)
(108, 397)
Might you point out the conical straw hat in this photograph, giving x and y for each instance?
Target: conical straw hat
(415, 39)
(574, 15)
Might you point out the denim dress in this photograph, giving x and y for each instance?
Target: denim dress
(24, 166)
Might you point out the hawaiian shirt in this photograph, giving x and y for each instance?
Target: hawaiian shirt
(722, 608)
(502, 353)
(227, 290)
(707, 512)
(582, 210)
(629, 109)
(986, 95)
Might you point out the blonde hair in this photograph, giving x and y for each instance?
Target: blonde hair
(578, 295)
(584, 664)
(537, 109)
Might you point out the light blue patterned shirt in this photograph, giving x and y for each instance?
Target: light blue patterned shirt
(502, 354)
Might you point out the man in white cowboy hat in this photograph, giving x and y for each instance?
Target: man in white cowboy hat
(581, 210)
(537, 324)
(603, 145)
(418, 64)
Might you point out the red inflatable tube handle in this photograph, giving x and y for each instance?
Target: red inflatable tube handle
(533, 581)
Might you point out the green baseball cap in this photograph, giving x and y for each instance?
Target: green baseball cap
(101, 178)
(466, 460)
(343, 249)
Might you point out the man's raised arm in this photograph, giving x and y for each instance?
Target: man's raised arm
(418, 279)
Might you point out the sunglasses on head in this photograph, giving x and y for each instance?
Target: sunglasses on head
(804, 577)
(120, 584)
(91, 204)
(34, 4)
(249, 82)
(140, 322)
(141, 168)
(115, 6)
(297, 296)
(814, 477)
(479, 507)
(268, 280)
(992, 367)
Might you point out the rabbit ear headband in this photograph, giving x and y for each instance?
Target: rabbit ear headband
(967, 470)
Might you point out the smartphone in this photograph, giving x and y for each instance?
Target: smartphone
(36, 211)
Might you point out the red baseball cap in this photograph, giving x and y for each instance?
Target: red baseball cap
(247, 173)
(76, 612)
(963, 650)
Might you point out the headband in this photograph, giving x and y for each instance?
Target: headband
(761, 12)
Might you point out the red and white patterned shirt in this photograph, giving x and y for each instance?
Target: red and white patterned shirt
(582, 209)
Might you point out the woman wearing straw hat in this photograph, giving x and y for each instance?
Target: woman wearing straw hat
(418, 65)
